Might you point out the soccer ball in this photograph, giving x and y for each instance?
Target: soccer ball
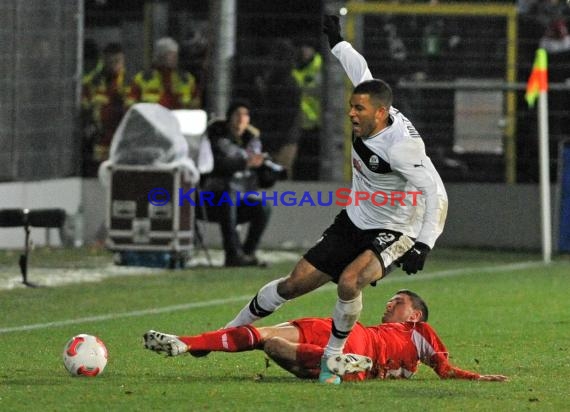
(85, 355)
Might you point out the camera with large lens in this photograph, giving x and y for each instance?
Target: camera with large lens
(270, 172)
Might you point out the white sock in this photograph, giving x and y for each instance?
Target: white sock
(345, 315)
(263, 304)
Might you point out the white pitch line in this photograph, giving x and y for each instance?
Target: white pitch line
(215, 302)
(135, 313)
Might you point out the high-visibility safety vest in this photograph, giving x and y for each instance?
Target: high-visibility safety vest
(309, 79)
(172, 89)
(103, 99)
(99, 91)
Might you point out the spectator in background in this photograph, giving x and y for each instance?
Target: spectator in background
(309, 78)
(193, 58)
(556, 38)
(164, 83)
(237, 150)
(543, 11)
(103, 106)
(279, 114)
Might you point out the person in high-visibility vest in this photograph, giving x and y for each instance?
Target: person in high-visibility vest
(308, 74)
(103, 105)
(165, 83)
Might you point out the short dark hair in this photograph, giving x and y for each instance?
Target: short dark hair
(112, 48)
(378, 90)
(417, 303)
(236, 104)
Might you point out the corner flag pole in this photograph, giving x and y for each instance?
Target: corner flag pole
(537, 87)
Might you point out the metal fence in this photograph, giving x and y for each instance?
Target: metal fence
(39, 66)
(457, 71)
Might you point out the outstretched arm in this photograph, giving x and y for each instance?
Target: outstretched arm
(445, 370)
(352, 62)
(433, 353)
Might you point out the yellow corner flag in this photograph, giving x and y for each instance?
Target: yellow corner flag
(538, 80)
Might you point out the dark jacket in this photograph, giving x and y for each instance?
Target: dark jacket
(230, 159)
(279, 115)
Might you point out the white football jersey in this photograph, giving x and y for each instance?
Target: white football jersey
(392, 167)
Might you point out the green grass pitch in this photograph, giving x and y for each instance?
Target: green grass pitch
(497, 312)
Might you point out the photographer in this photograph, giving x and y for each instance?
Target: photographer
(239, 166)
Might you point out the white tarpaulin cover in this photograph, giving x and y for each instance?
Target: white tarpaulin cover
(149, 134)
(193, 124)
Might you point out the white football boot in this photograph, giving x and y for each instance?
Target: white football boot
(163, 342)
(348, 363)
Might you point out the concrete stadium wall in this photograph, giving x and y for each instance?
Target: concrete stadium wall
(56, 193)
(497, 215)
(480, 215)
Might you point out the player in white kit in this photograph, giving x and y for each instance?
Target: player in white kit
(368, 237)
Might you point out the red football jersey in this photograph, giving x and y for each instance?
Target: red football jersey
(395, 348)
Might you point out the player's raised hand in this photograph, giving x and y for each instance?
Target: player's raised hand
(331, 27)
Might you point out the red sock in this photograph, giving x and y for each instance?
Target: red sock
(242, 338)
(309, 355)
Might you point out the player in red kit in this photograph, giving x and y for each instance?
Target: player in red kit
(392, 349)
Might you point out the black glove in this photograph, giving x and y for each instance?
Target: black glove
(414, 259)
(331, 27)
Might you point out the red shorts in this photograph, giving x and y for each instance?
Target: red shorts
(313, 330)
(317, 332)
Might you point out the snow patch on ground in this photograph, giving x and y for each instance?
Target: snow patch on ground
(10, 277)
